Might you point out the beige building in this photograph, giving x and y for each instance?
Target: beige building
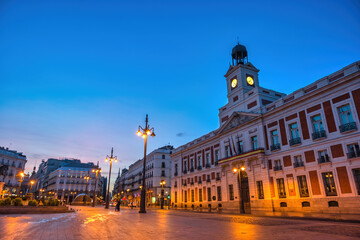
(296, 152)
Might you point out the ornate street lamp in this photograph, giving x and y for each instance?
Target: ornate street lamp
(241, 171)
(162, 183)
(87, 178)
(144, 132)
(109, 159)
(96, 171)
(21, 180)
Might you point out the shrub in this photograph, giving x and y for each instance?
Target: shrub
(5, 202)
(33, 203)
(54, 202)
(45, 202)
(18, 202)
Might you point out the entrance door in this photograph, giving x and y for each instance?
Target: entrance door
(244, 192)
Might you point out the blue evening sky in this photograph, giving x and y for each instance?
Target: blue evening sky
(77, 77)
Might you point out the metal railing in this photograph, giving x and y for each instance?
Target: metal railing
(275, 147)
(294, 141)
(348, 127)
(298, 164)
(199, 167)
(318, 134)
(277, 168)
(324, 159)
(353, 154)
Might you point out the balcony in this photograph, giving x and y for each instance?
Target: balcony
(298, 164)
(185, 171)
(208, 180)
(324, 159)
(353, 154)
(185, 184)
(218, 178)
(207, 165)
(294, 141)
(277, 168)
(200, 181)
(347, 127)
(319, 134)
(191, 183)
(275, 147)
(199, 167)
(191, 169)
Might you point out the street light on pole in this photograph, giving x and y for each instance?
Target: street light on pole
(109, 159)
(144, 132)
(96, 171)
(241, 197)
(86, 191)
(162, 183)
(21, 180)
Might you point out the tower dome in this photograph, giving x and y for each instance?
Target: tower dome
(239, 54)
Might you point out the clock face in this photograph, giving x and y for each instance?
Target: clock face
(250, 80)
(234, 83)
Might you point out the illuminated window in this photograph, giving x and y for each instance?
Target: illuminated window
(281, 187)
(329, 184)
(209, 194)
(219, 193)
(303, 188)
(200, 195)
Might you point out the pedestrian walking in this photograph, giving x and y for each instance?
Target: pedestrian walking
(117, 207)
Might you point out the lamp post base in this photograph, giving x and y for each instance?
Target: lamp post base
(142, 211)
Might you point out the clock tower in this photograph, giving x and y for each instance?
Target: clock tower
(243, 91)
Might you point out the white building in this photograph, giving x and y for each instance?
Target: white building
(13, 163)
(128, 184)
(66, 178)
(298, 152)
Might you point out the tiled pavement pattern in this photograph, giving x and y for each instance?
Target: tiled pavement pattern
(98, 223)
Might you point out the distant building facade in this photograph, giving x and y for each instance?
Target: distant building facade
(13, 163)
(66, 178)
(158, 168)
(296, 152)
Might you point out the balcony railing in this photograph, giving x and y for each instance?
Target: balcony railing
(275, 147)
(353, 154)
(298, 164)
(200, 181)
(208, 180)
(199, 167)
(277, 168)
(207, 165)
(348, 127)
(218, 178)
(324, 159)
(191, 169)
(294, 141)
(319, 134)
(191, 183)
(185, 171)
(185, 184)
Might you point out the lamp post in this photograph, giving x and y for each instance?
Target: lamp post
(41, 192)
(144, 132)
(96, 171)
(31, 185)
(162, 183)
(110, 159)
(241, 197)
(21, 180)
(86, 191)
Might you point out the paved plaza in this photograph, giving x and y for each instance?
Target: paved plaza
(99, 223)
